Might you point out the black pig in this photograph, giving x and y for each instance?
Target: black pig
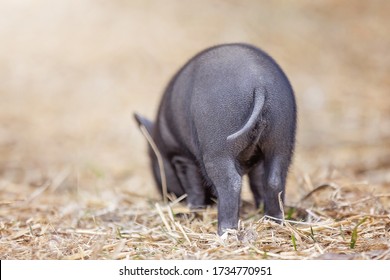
(229, 111)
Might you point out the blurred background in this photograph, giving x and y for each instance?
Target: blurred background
(73, 72)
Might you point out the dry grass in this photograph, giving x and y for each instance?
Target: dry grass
(74, 177)
(336, 221)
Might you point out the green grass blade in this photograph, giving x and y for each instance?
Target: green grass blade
(312, 234)
(354, 235)
(294, 241)
(290, 213)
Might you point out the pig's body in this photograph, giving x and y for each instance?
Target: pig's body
(229, 111)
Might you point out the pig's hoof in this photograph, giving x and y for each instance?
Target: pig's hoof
(228, 236)
(224, 236)
(196, 206)
(226, 231)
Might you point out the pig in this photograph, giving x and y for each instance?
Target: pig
(228, 112)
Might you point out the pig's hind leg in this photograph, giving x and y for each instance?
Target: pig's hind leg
(227, 182)
(275, 173)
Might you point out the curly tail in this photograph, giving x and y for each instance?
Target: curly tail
(252, 129)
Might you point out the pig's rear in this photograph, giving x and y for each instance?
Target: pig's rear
(221, 86)
(229, 111)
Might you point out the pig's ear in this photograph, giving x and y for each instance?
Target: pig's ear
(145, 122)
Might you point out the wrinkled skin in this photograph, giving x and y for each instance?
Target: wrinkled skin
(229, 111)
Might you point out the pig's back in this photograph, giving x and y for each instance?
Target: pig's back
(211, 97)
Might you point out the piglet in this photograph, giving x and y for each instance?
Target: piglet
(229, 111)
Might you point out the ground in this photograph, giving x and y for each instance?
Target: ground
(74, 174)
